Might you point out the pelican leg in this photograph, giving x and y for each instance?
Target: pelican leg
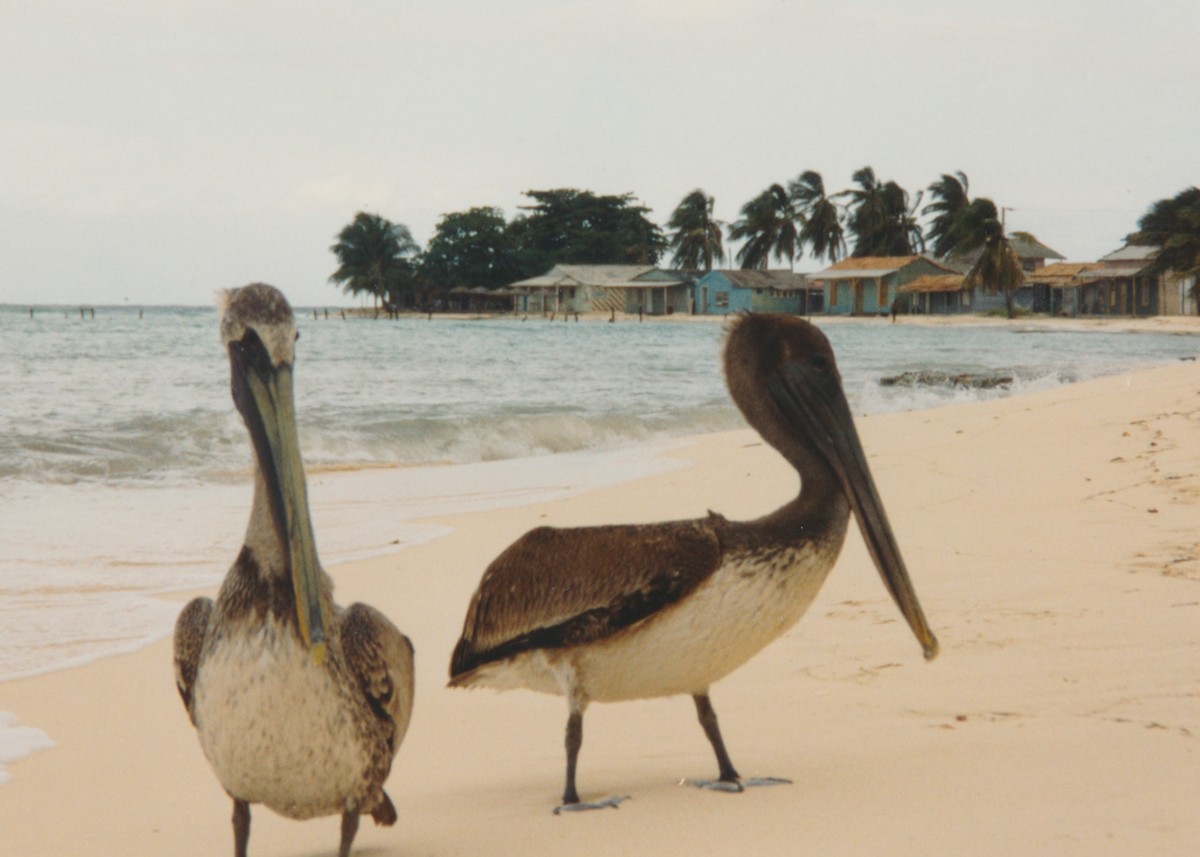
(708, 722)
(241, 827)
(571, 802)
(729, 780)
(349, 829)
(574, 742)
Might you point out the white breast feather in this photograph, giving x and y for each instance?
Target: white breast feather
(275, 727)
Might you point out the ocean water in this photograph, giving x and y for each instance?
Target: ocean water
(124, 468)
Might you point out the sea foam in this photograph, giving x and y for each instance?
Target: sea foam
(17, 742)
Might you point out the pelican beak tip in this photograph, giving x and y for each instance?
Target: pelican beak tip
(932, 649)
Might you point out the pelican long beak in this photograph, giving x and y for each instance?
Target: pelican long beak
(263, 394)
(812, 399)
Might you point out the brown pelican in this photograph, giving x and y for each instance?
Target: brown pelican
(300, 704)
(628, 612)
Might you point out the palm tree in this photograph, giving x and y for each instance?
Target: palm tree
(866, 211)
(374, 256)
(949, 198)
(904, 236)
(695, 235)
(821, 217)
(881, 219)
(768, 226)
(1173, 225)
(977, 228)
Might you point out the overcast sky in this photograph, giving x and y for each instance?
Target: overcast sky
(154, 151)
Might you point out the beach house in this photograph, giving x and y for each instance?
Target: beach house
(727, 291)
(944, 294)
(1121, 283)
(635, 289)
(867, 285)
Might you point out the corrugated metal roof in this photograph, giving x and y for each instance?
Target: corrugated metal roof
(1110, 272)
(754, 279)
(601, 276)
(1131, 253)
(1031, 248)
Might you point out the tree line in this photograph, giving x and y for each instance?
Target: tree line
(872, 217)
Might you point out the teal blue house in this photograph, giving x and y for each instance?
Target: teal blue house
(729, 291)
(867, 285)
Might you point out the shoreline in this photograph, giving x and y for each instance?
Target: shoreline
(1051, 539)
(1180, 324)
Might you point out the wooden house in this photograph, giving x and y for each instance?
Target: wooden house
(943, 294)
(728, 291)
(867, 285)
(605, 289)
(1056, 287)
(1121, 283)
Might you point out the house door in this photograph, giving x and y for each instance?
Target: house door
(858, 298)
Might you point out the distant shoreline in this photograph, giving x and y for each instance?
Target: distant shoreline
(1174, 324)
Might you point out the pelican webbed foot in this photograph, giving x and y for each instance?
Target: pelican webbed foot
(740, 785)
(583, 806)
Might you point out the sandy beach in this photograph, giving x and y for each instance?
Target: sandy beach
(1051, 537)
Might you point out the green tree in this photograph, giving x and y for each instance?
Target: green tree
(376, 257)
(881, 219)
(997, 268)
(821, 218)
(471, 248)
(695, 235)
(1173, 226)
(949, 199)
(579, 227)
(768, 228)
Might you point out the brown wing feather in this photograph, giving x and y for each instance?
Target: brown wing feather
(554, 588)
(190, 629)
(381, 658)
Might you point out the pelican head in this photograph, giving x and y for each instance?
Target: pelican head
(259, 333)
(782, 373)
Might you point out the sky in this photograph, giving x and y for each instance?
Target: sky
(156, 151)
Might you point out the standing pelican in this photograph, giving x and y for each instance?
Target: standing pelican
(299, 704)
(630, 612)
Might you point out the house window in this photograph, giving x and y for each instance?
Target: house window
(721, 300)
(966, 297)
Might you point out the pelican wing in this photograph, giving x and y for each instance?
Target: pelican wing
(190, 629)
(381, 659)
(555, 588)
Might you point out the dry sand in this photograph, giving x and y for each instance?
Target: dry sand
(1052, 539)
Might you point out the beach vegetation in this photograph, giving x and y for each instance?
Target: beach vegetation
(767, 227)
(978, 229)
(1173, 225)
(949, 197)
(471, 249)
(821, 217)
(376, 257)
(882, 219)
(578, 227)
(695, 235)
